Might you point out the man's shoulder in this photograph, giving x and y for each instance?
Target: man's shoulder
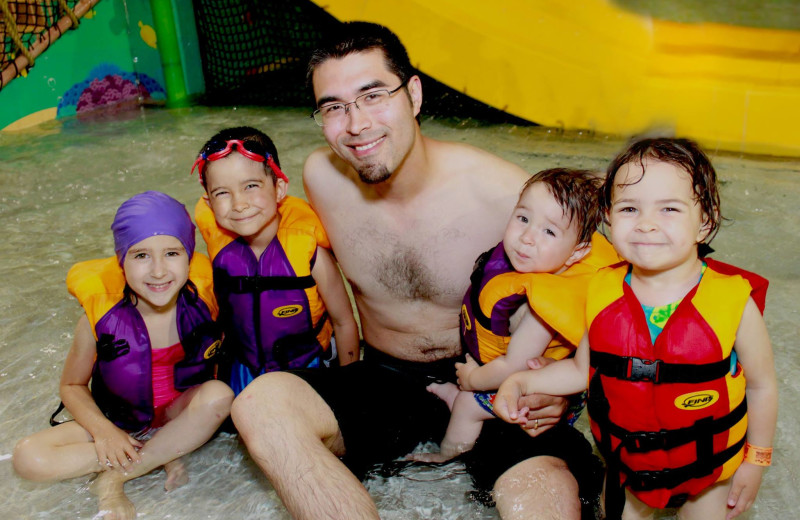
(319, 161)
(485, 167)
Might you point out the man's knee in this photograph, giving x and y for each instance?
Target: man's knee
(540, 487)
(267, 394)
(281, 399)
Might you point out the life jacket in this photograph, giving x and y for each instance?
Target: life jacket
(270, 307)
(670, 418)
(121, 382)
(556, 299)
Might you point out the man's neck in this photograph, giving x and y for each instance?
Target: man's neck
(410, 178)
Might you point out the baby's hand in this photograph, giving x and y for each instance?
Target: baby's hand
(744, 487)
(115, 448)
(506, 402)
(463, 371)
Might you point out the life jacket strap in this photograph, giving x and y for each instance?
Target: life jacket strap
(672, 477)
(475, 290)
(259, 284)
(655, 370)
(642, 441)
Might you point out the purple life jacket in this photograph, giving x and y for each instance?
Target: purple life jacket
(264, 306)
(122, 383)
(490, 264)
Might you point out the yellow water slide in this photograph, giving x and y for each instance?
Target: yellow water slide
(587, 64)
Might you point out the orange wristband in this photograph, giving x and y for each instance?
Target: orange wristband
(757, 455)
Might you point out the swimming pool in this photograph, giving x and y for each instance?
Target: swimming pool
(61, 183)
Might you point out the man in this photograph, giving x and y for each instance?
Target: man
(407, 216)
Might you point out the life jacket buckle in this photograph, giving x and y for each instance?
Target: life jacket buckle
(643, 369)
(646, 441)
(646, 480)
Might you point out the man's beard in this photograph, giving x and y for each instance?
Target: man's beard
(374, 174)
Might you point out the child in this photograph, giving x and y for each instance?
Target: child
(146, 343)
(280, 292)
(549, 235)
(673, 344)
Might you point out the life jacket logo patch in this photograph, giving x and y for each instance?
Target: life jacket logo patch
(287, 311)
(465, 318)
(212, 350)
(696, 400)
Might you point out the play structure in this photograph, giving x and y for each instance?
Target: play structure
(585, 66)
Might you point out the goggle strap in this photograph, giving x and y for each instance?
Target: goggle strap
(276, 169)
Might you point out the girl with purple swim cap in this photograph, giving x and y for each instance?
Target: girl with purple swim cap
(147, 342)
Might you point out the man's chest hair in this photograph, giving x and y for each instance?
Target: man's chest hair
(405, 267)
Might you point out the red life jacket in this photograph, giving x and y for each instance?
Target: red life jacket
(670, 417)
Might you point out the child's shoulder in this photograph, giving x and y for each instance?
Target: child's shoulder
(297, 216)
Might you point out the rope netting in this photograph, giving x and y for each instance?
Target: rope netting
(254, 52)
(28, 27)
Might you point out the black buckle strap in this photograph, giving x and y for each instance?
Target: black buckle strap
(656, 370)
(259, 284)
(673, 477)
(639, 442)
(643, 369)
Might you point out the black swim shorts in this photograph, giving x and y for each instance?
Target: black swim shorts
(384, 412)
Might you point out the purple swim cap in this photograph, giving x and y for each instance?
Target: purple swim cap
(148, 214)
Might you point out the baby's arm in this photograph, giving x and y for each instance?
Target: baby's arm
(565, 377)
(755, 355)
(114, 446)
(332, 291)
(528, 340)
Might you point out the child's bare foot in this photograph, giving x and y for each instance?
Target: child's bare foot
(434, 457)
(111, 499)
(448, 451)
(447, 392)
(176, 474)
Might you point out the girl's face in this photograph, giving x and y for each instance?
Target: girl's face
(156, 269)
(655, 219)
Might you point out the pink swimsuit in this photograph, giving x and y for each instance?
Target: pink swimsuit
(164, 392)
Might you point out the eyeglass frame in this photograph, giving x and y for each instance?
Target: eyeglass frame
(318, 111)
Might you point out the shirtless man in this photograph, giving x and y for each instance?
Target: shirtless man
(407, 217)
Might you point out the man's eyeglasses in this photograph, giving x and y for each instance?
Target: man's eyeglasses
(253, 150)
(333, 113)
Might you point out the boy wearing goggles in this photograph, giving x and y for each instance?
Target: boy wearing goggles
(280, 293)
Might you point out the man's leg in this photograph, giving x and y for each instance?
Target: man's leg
(539, 477)
(293, 436)
(538, 488)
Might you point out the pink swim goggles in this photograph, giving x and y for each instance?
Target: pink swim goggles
(253, 150)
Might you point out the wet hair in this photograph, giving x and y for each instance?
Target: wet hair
(682, 153)
(244, 133)
(353, 37)
(576, 191)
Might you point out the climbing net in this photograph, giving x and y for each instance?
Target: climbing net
(28, 27)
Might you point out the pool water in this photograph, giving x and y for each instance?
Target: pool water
(61, 182)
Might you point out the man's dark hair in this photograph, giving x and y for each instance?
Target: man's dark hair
(352, 37)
